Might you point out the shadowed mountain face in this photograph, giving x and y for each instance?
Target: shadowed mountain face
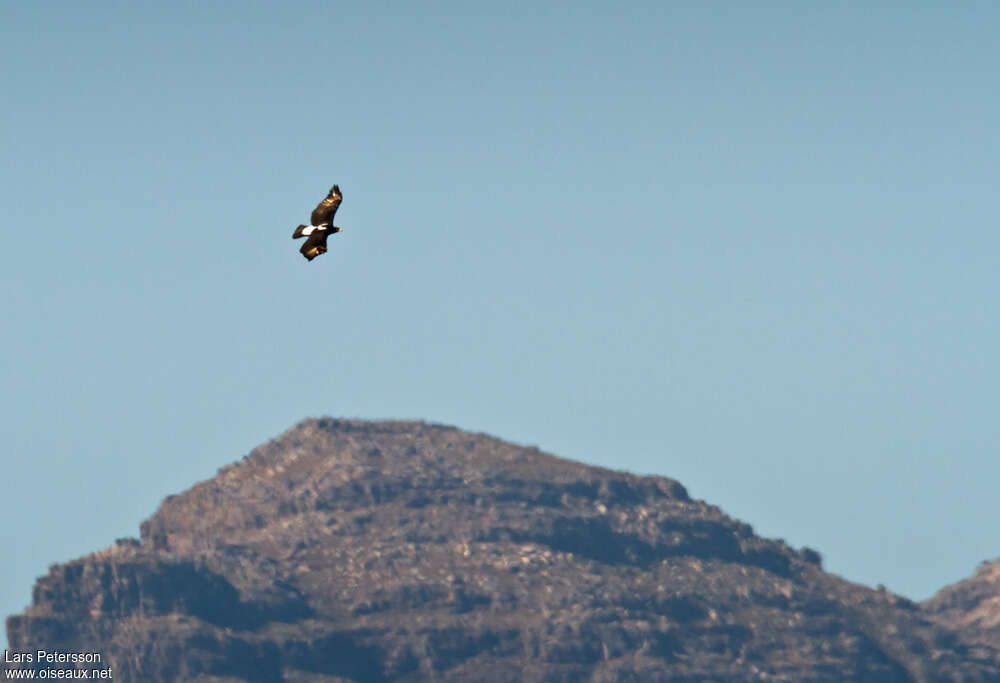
(401, 551)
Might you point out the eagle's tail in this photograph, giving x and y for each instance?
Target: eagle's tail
(301, 231)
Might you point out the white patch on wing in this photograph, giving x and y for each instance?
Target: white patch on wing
(308, 230)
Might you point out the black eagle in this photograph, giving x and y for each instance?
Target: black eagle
(322, 225)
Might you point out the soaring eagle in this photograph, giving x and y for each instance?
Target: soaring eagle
(321, 225)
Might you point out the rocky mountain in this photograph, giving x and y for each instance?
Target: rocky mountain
(360, 551)
(972, 605)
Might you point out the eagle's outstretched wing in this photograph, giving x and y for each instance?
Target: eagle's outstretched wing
(315, 245)
(323, 213)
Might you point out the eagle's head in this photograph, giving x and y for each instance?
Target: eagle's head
(334, 229)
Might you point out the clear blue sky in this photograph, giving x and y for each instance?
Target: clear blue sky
(753, 249)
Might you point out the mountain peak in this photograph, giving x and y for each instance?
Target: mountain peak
(373, 551)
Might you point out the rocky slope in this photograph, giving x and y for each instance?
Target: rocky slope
(400, 551)
(972, 604)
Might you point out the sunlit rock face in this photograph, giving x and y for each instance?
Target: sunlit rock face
(972, 605)
(347, 550)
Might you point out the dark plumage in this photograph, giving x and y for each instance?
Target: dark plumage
(322, 225)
